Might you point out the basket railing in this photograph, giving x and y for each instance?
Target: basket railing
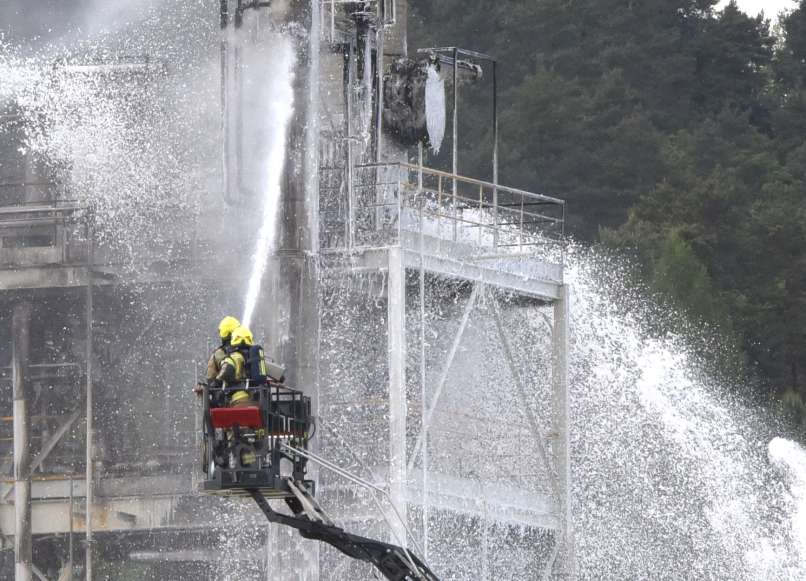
(391, 201)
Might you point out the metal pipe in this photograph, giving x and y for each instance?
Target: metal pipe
(495, 155)
(23, 557)
(89, 412)
(332, 22)
(455, 152)
(455, 144)
(225, 137)
(351, 72)
(237, 73)
(70, 547)
(379, 64)
(423, 391)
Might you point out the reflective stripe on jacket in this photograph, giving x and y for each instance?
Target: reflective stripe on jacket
(233, 368)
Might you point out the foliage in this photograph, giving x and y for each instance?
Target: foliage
(674, 129)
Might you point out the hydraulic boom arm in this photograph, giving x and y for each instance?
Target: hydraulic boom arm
(396, 563)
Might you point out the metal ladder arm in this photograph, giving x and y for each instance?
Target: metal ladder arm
(394, 562)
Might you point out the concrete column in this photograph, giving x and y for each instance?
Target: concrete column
(23, 557)
(294, 295)
(564, 566)
(291, 307)
(396, 329)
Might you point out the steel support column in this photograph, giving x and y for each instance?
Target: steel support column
(396, 345)
(565, 568)
(23, 557)
(90, 452)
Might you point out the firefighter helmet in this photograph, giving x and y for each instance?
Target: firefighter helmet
(239, 398)
(242, 336)
(227, 326)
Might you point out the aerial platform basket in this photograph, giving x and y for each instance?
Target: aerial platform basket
(259, 449)
(249, 447)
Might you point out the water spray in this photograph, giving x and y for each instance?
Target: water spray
(279, 112)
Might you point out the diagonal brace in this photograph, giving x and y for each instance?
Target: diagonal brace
(534, 423)
(443, 378)
(49, 446)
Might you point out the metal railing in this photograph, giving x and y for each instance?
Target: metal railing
(391, 201)
(384, 11)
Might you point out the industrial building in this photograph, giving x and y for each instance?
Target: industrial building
(424, 312)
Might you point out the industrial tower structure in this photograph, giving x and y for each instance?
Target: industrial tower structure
(424, 312)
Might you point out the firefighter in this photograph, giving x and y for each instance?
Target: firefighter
(240, 399)
(225, 329)
(233, 366)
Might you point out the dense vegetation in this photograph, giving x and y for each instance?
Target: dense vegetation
(676, 132)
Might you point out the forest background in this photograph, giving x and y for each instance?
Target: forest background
(676, 131)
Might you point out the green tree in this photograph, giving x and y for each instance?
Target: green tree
(672, 128)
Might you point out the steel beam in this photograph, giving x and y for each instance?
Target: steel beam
(396, 338)
(531, 287)
(124, 514)
(509, 503)
(48, 447)
(21, 329)
(375, 260)
(561, 429)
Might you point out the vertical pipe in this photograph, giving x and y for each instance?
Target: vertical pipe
(455, 144)
(420, 168)
(349, 101)
(396, 345)
(89, 412)
(332, 21)
(225, 137)
(70, 548)
(23, 557)
(495, 154)
(237, 83)
(561, 427)
(481, 213)
(455, 158)
(423, 391)
(379, 64)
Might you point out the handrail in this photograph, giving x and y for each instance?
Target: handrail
(386, 199)
(502, 207)
(463, 179)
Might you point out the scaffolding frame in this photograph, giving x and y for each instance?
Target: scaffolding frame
(420, 232)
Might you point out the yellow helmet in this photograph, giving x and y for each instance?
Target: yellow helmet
(239, 398)
(227, 326)
(242, 336)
